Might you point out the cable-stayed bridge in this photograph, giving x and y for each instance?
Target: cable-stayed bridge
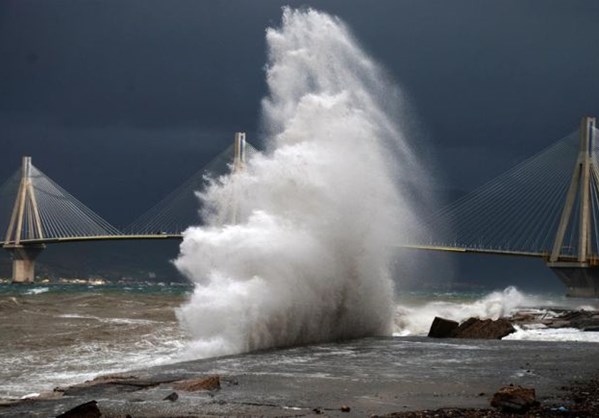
(35, 211)
(546, 207)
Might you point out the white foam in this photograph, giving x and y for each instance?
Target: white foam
(416, 320)
(129, 321)
(86, 361)
(298, 246)
(124, 321)
(554, 334)
(37, 290)
(77, 316)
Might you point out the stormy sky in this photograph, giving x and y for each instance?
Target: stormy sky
(120, 101)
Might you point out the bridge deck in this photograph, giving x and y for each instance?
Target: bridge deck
(592, 260)
(96, 238)
(477, 250)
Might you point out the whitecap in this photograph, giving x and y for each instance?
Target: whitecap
(37, 290)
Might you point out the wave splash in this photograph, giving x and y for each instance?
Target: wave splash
(308, 255)
(416, 320)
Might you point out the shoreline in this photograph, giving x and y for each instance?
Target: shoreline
(408, 377)
(581, 400)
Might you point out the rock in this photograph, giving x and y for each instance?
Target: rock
(523, 318)
(172, 397)
(484, 329)
(86, 410)
(194, 385)
(575, 319)
(442, 328)
(514, 399)
(471, 328)
(345, 408)
(111, 383)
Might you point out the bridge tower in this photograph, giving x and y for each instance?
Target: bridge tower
(580, 273)
(25, 223)
(238, 166)
(239, 151)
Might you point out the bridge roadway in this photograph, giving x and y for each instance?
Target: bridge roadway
(545, 255)
(446, 248)
(131, 237)
(55, 240)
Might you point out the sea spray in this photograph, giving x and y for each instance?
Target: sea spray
(297, 247)
(417, 320)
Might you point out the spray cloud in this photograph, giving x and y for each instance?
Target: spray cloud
(297, 247)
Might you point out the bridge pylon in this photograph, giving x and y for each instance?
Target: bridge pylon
(579, 272)
(238, 166)
(25, 223)
(239, 152)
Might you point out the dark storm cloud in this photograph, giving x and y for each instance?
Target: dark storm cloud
(492, 69)
(493, 82)
(138, 94)
(142, 63)
(134, 95)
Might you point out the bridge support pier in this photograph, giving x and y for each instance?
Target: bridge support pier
(581, 280)
(23, 261)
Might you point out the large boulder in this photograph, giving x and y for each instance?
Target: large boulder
(471, 328)
(514, 399)
(484, 329)
(442, 328)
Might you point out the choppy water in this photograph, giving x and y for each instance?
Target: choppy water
(53, 335)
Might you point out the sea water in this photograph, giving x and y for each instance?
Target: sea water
(53, 335)
(56, 335)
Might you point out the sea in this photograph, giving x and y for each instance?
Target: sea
(54, 335)
(58, 334)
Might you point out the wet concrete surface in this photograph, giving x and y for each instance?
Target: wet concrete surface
(371, 376)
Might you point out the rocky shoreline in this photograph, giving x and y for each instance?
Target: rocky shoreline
(582, 401)
(387, 377)
(402, 377)
(583, 320)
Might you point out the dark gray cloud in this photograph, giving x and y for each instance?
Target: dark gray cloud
(480, 74)
(131, 97)
(130, 63)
